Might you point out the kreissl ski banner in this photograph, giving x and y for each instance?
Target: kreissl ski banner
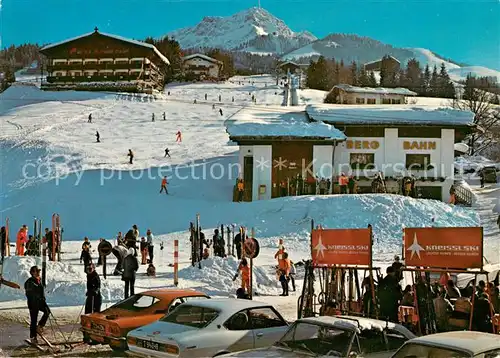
(341, 247)
(444, 247)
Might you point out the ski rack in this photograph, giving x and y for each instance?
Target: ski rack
(339, 288)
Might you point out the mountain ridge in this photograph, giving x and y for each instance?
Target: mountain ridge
(257, 31)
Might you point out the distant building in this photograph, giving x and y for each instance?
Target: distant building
(202, 66)
(377, 64)
(347, 94)
(99, 61)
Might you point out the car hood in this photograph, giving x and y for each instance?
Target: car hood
(271, 352)
(164, 331)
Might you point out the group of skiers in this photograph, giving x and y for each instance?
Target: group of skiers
(440, 306)
(29, 245)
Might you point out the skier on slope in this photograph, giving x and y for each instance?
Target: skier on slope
(94, 298)
(153, 118)
(164, 116)
(178, 137)
(90, 118)
(131, 155)
(164, 185)
(36, 303)
(167, 153)
(220, 111)
(97, 137)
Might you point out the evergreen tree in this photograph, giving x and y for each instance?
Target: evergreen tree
(353, 78)
(362, 79)
(426, 82)
(336, 74)
(372, 80)
(446, 87)
(388, 72)
(434, 83)
(413, 79)
(318, 76)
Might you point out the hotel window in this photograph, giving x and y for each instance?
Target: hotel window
(418, 161)
(371, 101)
(386, 101)
(360, 100)
(395, 101)
(362, 160)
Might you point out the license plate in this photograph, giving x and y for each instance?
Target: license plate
(149, 345)
(97, 326)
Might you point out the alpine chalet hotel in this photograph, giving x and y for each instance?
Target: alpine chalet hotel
(102, 62)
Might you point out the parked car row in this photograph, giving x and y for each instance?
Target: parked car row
(186, 323)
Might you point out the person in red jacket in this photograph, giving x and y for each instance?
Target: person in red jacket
(179, 136)
(244, 269)
(164, 185)
(22, 239)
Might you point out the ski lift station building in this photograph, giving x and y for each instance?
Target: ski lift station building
(277, 145)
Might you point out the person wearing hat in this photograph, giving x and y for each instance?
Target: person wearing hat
(36, 302)
(94, 298)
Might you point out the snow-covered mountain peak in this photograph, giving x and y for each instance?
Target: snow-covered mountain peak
(253, 29)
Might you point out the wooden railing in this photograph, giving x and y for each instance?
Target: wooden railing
(463, 194)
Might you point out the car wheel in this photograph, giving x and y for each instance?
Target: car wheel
(117, 349)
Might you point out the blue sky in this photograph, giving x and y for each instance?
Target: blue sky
(464, 30)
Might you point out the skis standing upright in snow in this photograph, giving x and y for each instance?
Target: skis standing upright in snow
(43, 242)
(199, 240)
(7, 239)
(56, 237)
(4, 248)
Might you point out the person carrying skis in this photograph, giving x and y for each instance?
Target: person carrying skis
(94, 299)
(150, 238)
(130, 267)
(49, 239)
(167, 153)
(97, 137)
(178, 137)
(90, 118)
(144, 251)
(131, 155)
(244, 269)
(164, 185)
(36, 303)
(21, 240)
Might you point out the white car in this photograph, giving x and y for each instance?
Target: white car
(460, 344)
(341, 336)
(208, 329)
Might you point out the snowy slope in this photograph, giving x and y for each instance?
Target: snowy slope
(255, 30)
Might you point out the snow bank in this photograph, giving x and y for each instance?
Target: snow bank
(66, 283)
(217, 275)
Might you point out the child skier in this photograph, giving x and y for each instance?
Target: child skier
(131, 155)
(244, 269)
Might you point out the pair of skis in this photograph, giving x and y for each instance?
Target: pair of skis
(6, 250)
(51, 349)
(56, 237)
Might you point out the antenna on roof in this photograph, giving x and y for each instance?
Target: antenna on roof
(96, 29)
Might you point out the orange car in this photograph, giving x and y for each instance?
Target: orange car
(112, 325)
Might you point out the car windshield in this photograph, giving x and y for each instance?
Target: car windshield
(317, 339)
(137, 303)
(414, 350)
(191, 315)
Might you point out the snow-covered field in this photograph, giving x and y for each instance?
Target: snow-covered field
(97, 193)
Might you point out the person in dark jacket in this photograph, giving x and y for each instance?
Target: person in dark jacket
(3, 237)
(130, 267)
(238, 242)
(397, 265)
(49, 239)
(85, 255)
(131, 156)
(36, 303)
(482, 314)
(94, 298)
(389, 293)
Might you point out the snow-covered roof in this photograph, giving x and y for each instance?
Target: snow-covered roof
(389, 114)
(200, 55)
(116, 37)
(278, 123)
(380, 59)
(378, 90)
(289, 63)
